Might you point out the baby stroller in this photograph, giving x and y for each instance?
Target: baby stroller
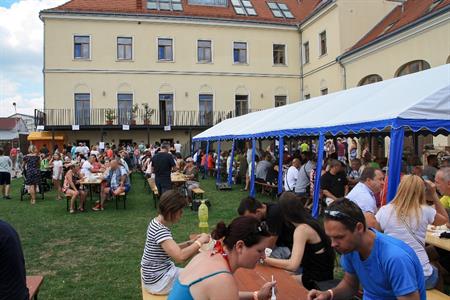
(39, 189)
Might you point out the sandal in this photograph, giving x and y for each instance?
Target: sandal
(33, 202)
(72, 211)
(81, 209)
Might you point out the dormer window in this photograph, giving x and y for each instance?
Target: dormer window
(171, 5)
(280, 10)
(243, 7)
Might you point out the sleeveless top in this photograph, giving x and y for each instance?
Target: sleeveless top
(317, 266)
(181, 291)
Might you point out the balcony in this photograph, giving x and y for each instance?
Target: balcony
(101, 117)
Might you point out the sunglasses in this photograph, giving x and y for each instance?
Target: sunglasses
(339, 215)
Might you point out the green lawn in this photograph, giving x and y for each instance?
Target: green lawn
(96, 255)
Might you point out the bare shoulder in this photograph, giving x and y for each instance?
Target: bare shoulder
(218, 286)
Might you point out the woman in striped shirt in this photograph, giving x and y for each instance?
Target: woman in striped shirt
(157, 265)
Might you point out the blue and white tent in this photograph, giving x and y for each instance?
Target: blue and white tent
(419, 101)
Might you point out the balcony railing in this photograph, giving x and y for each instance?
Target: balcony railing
(111, 116)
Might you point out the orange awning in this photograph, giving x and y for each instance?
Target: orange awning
(45, 136)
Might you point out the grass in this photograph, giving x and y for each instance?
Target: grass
(97, 255)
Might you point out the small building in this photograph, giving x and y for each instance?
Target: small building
(13, 132)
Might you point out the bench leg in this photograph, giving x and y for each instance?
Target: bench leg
(125, 201)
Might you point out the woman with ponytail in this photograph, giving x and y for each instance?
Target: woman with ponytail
(209, 275)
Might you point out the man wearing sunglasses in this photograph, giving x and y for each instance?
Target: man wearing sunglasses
(387, 268)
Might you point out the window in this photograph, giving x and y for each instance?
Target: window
(124, 48)
(279, 54)
(280, 100)
(306, 52)
(222, 3)
(165, 51)
(323, 43)
(307, 96)
(240, 52)
(324, 91)
(370, 79)
(412, 67)
(280, 10)
(81, 47)
(205, 109)
(243, 7)
(166, 109)
(204, 51)
(82, 108)
(125, 106)
(174, 5)
(241, 102)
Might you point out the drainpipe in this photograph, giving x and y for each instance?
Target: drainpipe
(344, 72)
(301, 64)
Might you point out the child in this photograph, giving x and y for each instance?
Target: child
(57, 165)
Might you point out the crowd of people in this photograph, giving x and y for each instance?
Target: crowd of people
(380, 245)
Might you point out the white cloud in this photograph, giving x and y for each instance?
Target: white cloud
(21, 36)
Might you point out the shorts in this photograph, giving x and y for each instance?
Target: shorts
(164, 285)
(432, 280)
(5, 178)
(126, 186)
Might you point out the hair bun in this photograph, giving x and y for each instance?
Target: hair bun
(220, 231)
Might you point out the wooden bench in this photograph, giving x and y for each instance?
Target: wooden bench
(154, 189)
(33, 285)
(197, 193)
(122, 196)
(436, 295)
(147, 296)
(266, 188)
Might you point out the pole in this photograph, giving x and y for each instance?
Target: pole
(252, 174)
(206, 159)
(218, 178)
(315, 210)
(280, 163)
(395, 161)
(230, 169)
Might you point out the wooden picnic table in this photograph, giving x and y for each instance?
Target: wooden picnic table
(253, 279)
(433, 239)
(89, 182)
(178, 178)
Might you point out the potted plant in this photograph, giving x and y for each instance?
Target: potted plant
(148, 112)
(109, 116)
(134, 111)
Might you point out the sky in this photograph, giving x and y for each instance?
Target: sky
(21, 33)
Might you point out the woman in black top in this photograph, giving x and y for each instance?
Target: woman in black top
(31, 164)
(311, 250)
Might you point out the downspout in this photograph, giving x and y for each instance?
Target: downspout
(344, 72)
(301, 63)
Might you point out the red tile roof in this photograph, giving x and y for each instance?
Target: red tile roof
(299, 8)
(400, 17)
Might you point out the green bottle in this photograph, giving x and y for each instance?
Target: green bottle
(203, 217)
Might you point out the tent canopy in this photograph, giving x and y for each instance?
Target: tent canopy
(418, 101)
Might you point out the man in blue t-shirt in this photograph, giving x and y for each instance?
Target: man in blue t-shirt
(387, 268)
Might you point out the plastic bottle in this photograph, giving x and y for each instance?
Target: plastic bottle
(203, 217)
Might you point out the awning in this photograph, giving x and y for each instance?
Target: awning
(45, 136)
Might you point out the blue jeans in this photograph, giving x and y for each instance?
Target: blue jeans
(432, 280)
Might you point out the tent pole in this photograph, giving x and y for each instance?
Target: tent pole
(252, 175)
(395, 161)
(415, 136)
(218, 178)
(230, 170)
(280, 164)
(206, 159)
(320, 144)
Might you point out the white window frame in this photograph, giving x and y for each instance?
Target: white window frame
(157, 50)
(247, 54)
(304, 53)
(132, 48)
(285, 55)
(73, 47)
(320, 44)
(212, 51)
